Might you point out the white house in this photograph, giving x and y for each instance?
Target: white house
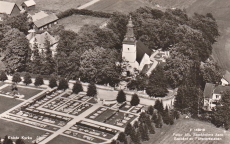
(212, 95)
(226, 78)
(28, 5)
(137, 54)
(40, 40)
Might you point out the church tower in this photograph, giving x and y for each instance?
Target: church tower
(129, 46)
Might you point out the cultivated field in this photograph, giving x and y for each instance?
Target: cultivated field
(124, 6)
(75, 22)
(54, 5)
(182, 126)
(221, 12)
(7, 103)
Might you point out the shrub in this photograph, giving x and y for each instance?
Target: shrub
(121, 97)
(16, 78)
(77, 87)
(52, 82)
(135, 100)
(38, 81)
(3, 76)
(63, 84)
(92, 90)
(27, 79)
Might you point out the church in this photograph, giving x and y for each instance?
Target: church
(135, 52)
(138, 56)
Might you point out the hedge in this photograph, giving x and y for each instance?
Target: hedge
(70, 12)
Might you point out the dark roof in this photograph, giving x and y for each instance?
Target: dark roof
(227, 76)
(141, 50)
(46, 20)
(208, 90)
(220, 89)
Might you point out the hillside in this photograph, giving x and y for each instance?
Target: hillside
(221, 11)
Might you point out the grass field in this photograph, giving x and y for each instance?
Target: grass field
(221, 12)
(182, 126)
(65, 140)
(7, 103)
(27, 92)
(75, 22)
(14, 129)
(124, 6)
(54, 5)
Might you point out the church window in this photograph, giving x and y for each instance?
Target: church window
(128, 48)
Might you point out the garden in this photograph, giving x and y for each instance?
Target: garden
(26, 91)
(7, 103)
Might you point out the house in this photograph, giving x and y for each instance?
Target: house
(212, 95)
(28, 5)
(40, 40)
(137, 55)
(37, 16)
(8, 8)
(45, 22)
(226, 78)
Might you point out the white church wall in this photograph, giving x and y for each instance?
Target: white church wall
(145, 60)
(129, 53)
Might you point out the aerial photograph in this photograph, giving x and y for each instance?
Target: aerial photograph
(114, 71)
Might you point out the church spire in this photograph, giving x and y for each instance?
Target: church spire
(129, 37)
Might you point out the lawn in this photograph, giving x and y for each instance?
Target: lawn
(182, 126)
(27, 92)
(124, 6)
(75, 22)
(7, 103)
(14, 129)
(65, 140)
(54, 5)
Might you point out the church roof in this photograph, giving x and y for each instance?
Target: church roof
(141, 51)
(129, 37)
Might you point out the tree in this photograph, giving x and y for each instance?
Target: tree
(134, 137)
(154, 117)
(121, 97)
(135, 100)
(63, 84)
(136, 125)
(221, 116)
(150, 126)
(122, 137)
(20, 141)
(36, 63)
(77, 87)
(19, 21)
(176, 114)
(144, 132)
(38, 81)
(150, 110)
(16, 78)
(52, 82)
(157, 85)
(3, 76)
(166, 116)
(189, 99)
(159, 121)
(113, 141)
(159, 106)
(17, 51)
(142, 117)
(27, 79)
(211, 72)
(100, 66)
(92, 90)
(128, 129)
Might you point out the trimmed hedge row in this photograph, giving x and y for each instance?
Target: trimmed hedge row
(70, 12)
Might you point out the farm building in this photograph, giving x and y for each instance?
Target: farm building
(8, 8)
(46, 22)
(28, 5)
(38, 16)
